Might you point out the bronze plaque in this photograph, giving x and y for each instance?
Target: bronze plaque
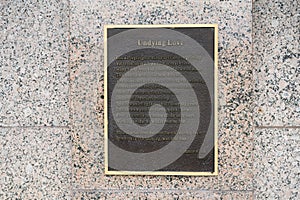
(161, 99)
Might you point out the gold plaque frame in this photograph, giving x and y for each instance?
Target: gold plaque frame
(215, 104)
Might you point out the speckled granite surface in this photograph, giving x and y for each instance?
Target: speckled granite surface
(52, 62)
(276, 61)
(34, 63)
(163, 194)
(276, 164)
(144, 194)
(35, 163)
(234, 195)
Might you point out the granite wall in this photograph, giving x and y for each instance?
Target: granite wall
(51, 102)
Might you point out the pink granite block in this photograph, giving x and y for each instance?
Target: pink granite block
(276, 164)
(234, 195)
(143, 194)
(276, 61)
(35, 163)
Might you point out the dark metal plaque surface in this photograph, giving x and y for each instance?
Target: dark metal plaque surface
(161, 99)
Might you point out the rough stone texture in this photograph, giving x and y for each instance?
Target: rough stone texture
(235, 95)
(35, 163)
(34, 63)
(277, 98)
(143, 194)
(234, 195)
(87, 20)
(276, 61)
(277, 164)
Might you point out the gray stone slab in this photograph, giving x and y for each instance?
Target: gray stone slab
(35, 163)
(34, 82)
